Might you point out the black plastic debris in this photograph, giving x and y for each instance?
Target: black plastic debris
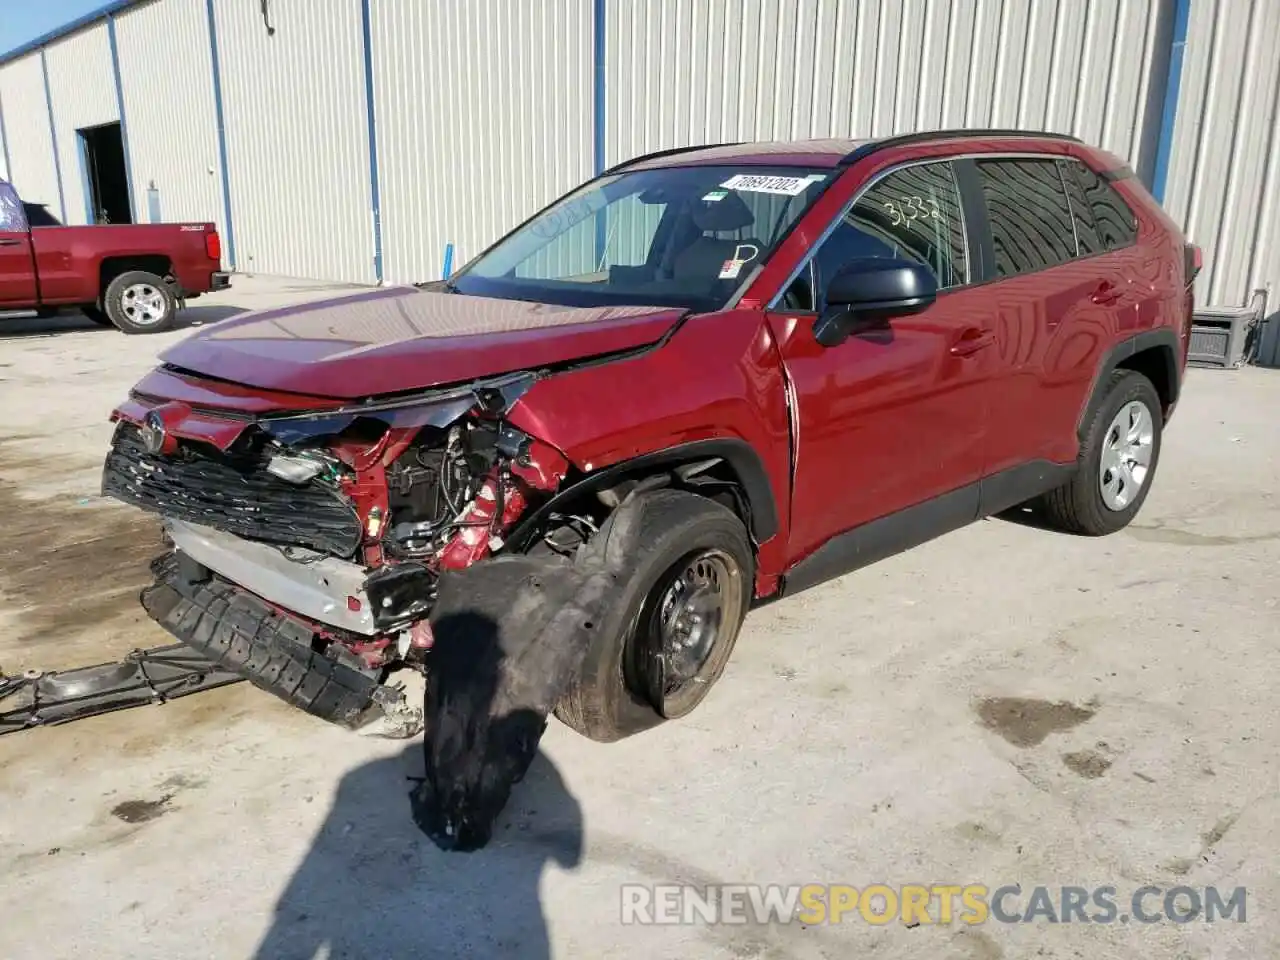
(144, 676)
(509, 635)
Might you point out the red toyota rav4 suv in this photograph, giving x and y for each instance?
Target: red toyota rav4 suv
(771, 363)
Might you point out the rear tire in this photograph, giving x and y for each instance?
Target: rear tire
(1104, 497)
(686, 584)
(140, 302)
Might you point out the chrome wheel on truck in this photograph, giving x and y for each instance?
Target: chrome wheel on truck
(140, 302)
(143, 304)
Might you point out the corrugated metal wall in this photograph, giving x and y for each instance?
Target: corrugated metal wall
(4, 148)
(1224, 169)
(166, 77)
(484, 114)
(26, 120)
(297, 137)
(693, 71)
(82, 88)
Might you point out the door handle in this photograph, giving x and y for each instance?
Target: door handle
(9, 243)
(971, 341)
(1106, 293)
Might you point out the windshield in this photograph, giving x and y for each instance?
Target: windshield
(674, 236)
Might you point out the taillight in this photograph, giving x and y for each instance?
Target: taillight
(1193, 262)
(213, 245)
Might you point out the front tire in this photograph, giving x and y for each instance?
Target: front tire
(687, 579)
(140, 302)
(1117, 461)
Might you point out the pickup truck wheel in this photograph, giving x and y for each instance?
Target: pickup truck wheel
(687, 578)
(97, 316)
(139, 302)
(1117, 461)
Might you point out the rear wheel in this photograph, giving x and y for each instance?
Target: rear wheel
(140, 302)
(1117, 461)
(686, 586)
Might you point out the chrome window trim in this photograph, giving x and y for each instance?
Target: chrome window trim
(921, 161)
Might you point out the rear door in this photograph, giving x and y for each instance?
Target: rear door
(17, 266)
(1055, 294)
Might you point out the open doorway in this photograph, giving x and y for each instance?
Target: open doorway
(106, 181)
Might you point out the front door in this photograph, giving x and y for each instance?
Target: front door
(17, 268)
(890, 425)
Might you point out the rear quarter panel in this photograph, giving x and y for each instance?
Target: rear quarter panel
(69, 259)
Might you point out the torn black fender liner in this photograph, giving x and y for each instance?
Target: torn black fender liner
(509, 635)
(149, 676)
(271, 650)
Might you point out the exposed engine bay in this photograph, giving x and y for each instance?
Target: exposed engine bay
(368, 504)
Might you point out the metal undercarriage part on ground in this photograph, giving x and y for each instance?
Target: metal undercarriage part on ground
(157, 675)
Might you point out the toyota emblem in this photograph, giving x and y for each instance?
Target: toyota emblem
(153, 433)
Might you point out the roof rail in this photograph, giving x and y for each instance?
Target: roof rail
(931, 136)
(666, 153)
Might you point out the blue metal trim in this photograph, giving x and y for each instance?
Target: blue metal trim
(90, 215)
(53, 136)
(1169, 113)
(227, 227)
(447, 272)
(598, 65)
(91, 17)
(4, 143)
(124, 126)
(374, 193)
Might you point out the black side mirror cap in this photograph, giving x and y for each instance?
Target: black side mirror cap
(868, 291)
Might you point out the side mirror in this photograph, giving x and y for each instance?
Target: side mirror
(868, 291)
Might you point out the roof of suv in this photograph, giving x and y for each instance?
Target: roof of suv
(816, 153)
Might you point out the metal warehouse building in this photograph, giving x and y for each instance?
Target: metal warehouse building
(354, 140)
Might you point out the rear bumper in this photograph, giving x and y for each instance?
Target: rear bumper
(220, 281)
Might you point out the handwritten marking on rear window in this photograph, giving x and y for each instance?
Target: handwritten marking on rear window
(784, 186)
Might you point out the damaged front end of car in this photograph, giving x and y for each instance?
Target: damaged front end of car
(308, 545)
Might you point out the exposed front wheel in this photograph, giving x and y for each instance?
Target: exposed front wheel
(1117, 461)
(686, 582)
(140, 302)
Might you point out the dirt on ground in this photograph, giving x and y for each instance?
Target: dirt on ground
(71, 568)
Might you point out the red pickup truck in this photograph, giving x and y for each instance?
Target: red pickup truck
(133, 276)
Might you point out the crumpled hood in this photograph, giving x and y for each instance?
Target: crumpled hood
(403, 338)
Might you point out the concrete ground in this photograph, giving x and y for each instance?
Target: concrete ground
(1002, 706)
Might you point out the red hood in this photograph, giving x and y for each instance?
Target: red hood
(402, 338)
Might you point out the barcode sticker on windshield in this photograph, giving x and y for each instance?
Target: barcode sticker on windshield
(785, 186)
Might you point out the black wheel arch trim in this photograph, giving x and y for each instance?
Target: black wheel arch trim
(1164, 339)
(740, 455)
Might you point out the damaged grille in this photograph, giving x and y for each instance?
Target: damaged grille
(232, 494)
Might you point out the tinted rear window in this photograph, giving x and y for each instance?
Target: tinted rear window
(1116, 223)
(1087, 239)
(1030, 217)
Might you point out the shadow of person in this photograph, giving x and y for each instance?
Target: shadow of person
(373, 887)
(386, 875)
